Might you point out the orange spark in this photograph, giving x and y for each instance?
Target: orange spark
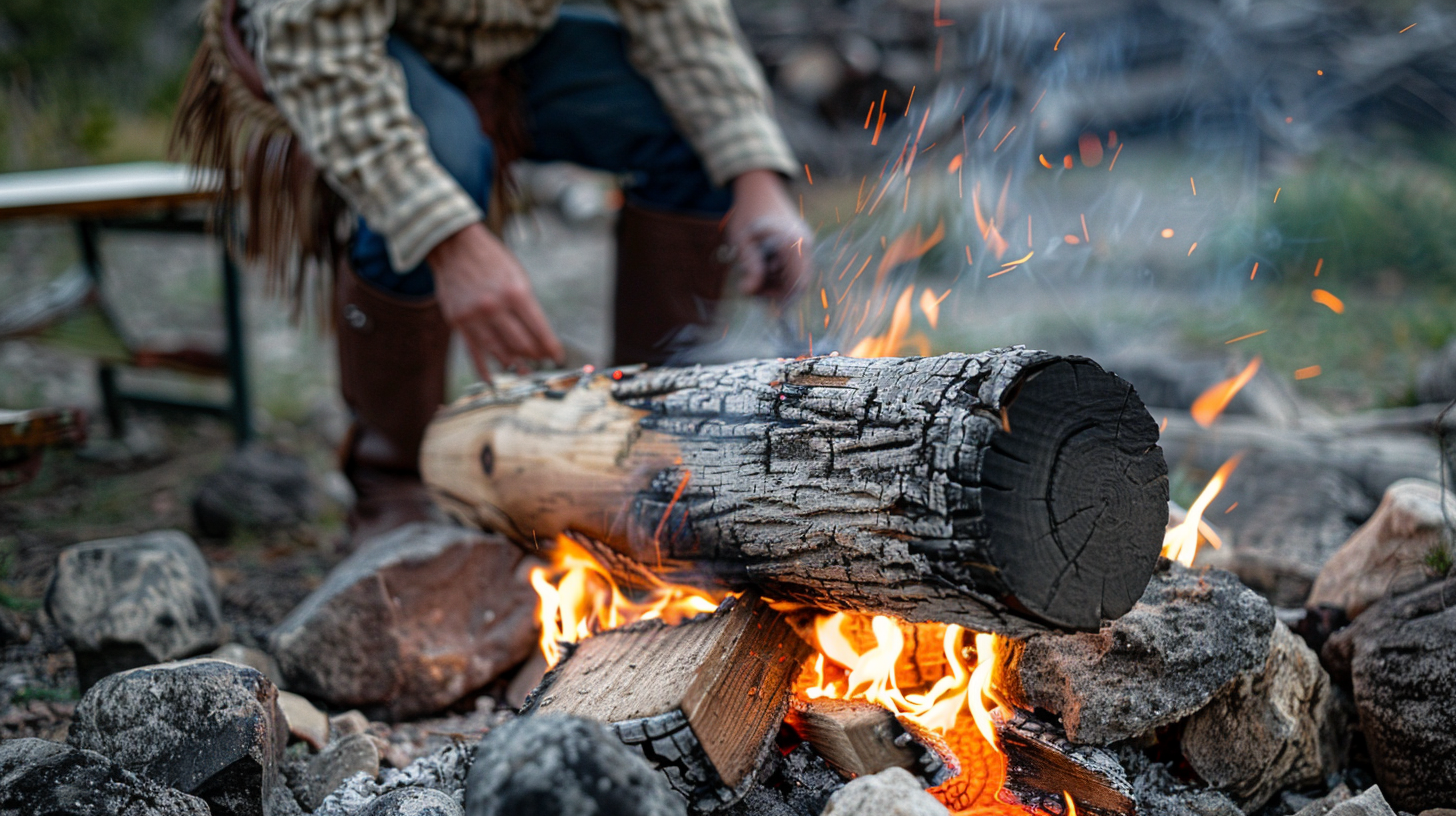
(1245, 336)
(908, 101)
(1324, 298)
(969, 260)
(1044, 163)
(1003, 139)
(1212, 402)
(870, 115)
(1067, 161)
(880, 125)
(1167, 232)
(1085, 236)
(1307, 372)
(1190, 249)
(955, 163)
(824, 297)
(809, 175)
(1277, 191)
(1317, 266)
(1408, 28)
(1194, 186)
(1058, 43)
(1114, 159)
(1071, 239)
(1090, 148)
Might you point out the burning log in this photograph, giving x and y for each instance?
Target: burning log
(858, 739)
(1002, 491)
(1044, 769)
(702, 700)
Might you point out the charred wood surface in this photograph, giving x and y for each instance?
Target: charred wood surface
(702, 700)
(1043, 767)
(858, 739)
(1002, 491)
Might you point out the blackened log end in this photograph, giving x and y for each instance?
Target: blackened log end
(1075, 492)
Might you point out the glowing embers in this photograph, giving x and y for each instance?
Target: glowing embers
(1180, 543)
(579, 598)
(934, 675)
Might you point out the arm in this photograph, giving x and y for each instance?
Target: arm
(325, 64)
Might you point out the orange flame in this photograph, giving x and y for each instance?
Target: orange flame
(887, 344)
(1180, 543)
(1071, 804)
(1212, 402)
(930, 305)
(579, 598)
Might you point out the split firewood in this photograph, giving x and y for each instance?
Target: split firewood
(1003, 491)
(702, 700)
(1043, 769)
(858, 738)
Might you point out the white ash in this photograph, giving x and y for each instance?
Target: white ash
(444, 771)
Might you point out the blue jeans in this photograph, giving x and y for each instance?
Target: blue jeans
(584, 104)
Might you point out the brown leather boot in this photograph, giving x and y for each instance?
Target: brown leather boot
(669, 277)
(392, 358)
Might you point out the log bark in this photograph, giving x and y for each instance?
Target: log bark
(702, 700)
(1043, 768)
(1003, 491)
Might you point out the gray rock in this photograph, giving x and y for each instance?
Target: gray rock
(1269, 730)
(41, 778)
(1400, 656)
(337, 762)
(1323, 805)
(1386, 555)
(1436, 381)
(412, 622)
(1369, 803)
(202, 726)
(255, 488)
(248, 656)
(127, 602)
(413, 802)
(891, 792)
(1191, 633)
(549, 764)
(1159, 793)
(444, 771)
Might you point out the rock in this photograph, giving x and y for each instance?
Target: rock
(350, 722)
(41, 778)
(1323, 805)
(444, 771)
(550, 764)
(255, 488)
(202, 726)
(1269, 730)
(1159, 793)
(413, 802)
(891, 792)
(1436, 380)
(1290, 519)
(337, 762)
(1400, 659)
(304, 722)
(127, 602)
(412, 622)
(248, 656)
(1438, 812)
(1387, 555)
(1369, 803)
(1191, 633)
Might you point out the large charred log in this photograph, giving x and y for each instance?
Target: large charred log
(1004, 491)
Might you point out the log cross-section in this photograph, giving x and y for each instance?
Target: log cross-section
(1004, 491)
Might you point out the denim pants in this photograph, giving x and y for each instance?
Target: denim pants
(584, 103)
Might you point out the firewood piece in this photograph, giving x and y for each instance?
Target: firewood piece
(1042, 765)
(702, 700)
(858, 739)
(1002, 491)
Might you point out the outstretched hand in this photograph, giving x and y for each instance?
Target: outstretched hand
(485, 295)
(770, 244)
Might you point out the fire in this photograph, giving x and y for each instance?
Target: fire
(1180, 543)
(579, 598)
(1212, 402)
(889, 343)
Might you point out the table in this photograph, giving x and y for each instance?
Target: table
(139, 196)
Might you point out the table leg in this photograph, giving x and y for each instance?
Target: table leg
(237, 358)
(111, 400)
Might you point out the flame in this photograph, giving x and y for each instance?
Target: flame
(1071, 804)
(1180, 543)
(930, 305)
(887, 344)
(1212, 402)
(579, 598)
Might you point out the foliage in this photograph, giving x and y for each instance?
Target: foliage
(1438, 559)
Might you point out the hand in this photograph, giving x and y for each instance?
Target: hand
(485, 295)
(771, 245)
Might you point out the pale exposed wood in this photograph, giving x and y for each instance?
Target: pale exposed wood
(1042, 767)
(858, 738)
(703, 699)
(1002, 491)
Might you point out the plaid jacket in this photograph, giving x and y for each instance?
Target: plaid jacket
(324, 64)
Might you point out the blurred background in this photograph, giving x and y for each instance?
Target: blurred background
(1167, 186)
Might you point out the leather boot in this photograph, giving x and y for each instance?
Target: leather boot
(392, 359)
(669, 277)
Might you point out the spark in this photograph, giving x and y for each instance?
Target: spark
(1071, 239)
(852, 259)
(1319, 73)
(955, 163)
(908, 101)
(1276, 194)
(1245, 337)
(1038, 102)
(1190, 249)
(1067, 161)
(677, 494)
(1058, 43)
(1255, 271)
(1044, 163)
(1230, 508)
(1163, 426)
(1090, 149)
(1212, 402)
(1085, 236)
(969, 260)
(809, 175)
(1028, 232)
(1114, 158)
(1003, 139)
(824, 297)
(1317, 265)
(1307, 372)
(881, 123)
(870, 115)
(1019, 261)
(1408, 28)
(1167, 232)
(1324, 298)
(1194, 186)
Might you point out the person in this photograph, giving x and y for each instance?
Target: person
(408, 113)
